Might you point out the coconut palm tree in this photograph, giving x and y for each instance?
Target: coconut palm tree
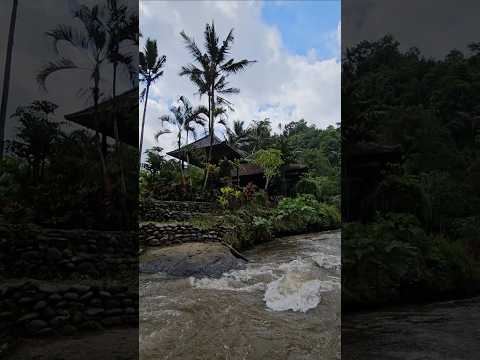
(93, 41)
(6, 75)
(150, 69)
(120, 29)
(185, 117)
(238, 134)
(212, 74)
(259, 135)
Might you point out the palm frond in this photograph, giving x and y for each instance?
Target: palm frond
(229, 91)
(222, 101)
(68, 34)
(53, 67)
(160, 133)
(225, 48)
(233, 67)
(192, 46)
(166, 119)
(211, 41)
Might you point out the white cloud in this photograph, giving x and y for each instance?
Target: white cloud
(281, 85)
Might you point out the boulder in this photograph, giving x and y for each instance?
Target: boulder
(191, 259)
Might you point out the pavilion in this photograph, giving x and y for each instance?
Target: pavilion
(127, 118)
(196, 154)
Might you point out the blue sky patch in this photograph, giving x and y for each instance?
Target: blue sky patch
(305, 24)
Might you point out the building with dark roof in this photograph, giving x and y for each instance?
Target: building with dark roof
(196, 154)
(127, 118)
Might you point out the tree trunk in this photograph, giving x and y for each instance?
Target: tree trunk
(143, 126)
(118, 149)
(6, 76)
(96, 96)
(188, 161)
(179, 147)
(209, 156)
(211, 120)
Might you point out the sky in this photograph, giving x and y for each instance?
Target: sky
(296, 45)
(434, 26)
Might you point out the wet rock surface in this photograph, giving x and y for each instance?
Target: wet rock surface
(191, 259)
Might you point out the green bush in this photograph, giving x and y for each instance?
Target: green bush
(308, 185)
(323, 188)
(229, 198)
(393, 260)
(304, 213)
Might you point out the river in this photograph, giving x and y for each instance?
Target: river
(447, 330)
(284, 305)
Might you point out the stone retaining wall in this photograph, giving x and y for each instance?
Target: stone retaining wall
(156, 210)
(152, 234)
(32, 308)
(50, 253)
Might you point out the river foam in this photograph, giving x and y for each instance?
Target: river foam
(291, 293)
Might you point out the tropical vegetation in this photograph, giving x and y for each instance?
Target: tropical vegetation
(416, 239)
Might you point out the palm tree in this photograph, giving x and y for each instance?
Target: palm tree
(238, 135)
(120, 29)
(149, 70)
(259, 135)
(212, 74)
(6, 75)
(185, 117)
(93, 41)
(192, 118)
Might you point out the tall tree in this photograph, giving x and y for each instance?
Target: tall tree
(120, 29)
(259, 135)
(150, 69)
(93, 41)
(271, 161)
(37, 134)
(212, 74)
(185, 117)
(6, 75)
(238, 134)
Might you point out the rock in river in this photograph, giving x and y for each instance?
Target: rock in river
(191, 259)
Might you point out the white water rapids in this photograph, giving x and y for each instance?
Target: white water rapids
(284, 305)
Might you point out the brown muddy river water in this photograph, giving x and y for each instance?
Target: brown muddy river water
(284, 305)
(448, 330)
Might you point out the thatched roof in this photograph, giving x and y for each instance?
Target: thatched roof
(196, 151)
(127, 103)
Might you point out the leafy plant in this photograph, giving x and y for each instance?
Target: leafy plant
(271, 161)
(304, 213)
(229, 197)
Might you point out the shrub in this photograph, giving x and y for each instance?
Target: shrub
(249, 191)
(323, 188)
(393, 259)
(308, 185)
(229, 198)
(304, 213)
